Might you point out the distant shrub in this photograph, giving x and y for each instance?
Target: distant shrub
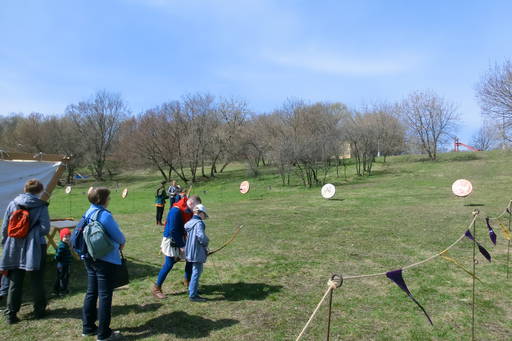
(459, 156)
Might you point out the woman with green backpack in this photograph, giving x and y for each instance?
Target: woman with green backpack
(100, 269)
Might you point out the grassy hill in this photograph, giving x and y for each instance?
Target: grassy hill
(265, 284)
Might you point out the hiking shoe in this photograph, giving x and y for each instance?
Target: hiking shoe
(12, 319)
(40, 314)
(94, 333)
(198, 299)
(116, 335)
(157, 292)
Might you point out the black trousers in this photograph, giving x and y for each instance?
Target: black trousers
(159, 214)
(15, 295)
(61, 283)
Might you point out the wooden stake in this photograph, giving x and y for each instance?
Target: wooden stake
(474, 282)
(329, 314)
(508, 247)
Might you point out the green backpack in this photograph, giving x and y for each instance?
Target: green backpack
(97, 240)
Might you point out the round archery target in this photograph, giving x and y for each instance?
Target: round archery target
(125, 193)
(462, 188)
(328, 191)
(90, 189)
(68, 189)
(245, 187)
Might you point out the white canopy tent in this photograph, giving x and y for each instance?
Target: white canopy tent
(17, 168)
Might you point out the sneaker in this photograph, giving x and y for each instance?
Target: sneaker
(157, 292)
(198, 299)
(116, 335)
(94, 333)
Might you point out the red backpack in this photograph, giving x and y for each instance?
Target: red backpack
(19, 223)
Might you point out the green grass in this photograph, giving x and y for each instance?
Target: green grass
(265, 285)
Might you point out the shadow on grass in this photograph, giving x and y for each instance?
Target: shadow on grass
(117, 310)
(471, 205)
(78, 276)
(179, 323)
(240, 291)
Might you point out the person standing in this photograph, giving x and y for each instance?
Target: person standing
(63, 257)
(26, 253)
(98, 299)
(173, 192)
(173, 240)
(196, 249)
(160, 203)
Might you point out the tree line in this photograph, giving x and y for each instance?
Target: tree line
(200, 134)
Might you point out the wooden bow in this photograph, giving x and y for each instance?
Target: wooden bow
(237, 231)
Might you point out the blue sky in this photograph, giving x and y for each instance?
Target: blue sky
(54, 53)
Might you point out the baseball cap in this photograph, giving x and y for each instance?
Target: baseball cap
(201, 208)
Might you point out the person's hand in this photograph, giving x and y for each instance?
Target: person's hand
(121, 247)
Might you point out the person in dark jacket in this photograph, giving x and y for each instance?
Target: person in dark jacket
(196, 249)
(63, 257)
(28, 254)
(160, 198)
(173, 192)
(173, 241)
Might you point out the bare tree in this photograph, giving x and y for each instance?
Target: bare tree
(495, 94)
(487, 137)
(429, 118)
(98, 121)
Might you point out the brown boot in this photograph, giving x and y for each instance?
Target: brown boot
(157, 292)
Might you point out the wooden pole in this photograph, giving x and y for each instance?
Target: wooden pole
(53, 182)
(329, 314)
(474, 283)
(508, 247)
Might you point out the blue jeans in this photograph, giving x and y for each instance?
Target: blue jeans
(197, 270)
(167, 267)
(99, 285)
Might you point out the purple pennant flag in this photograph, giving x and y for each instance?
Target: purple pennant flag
(396, 276)
(482, 249)
(492, 235)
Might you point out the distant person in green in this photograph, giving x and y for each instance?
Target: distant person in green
(63, 258)
(160, 198)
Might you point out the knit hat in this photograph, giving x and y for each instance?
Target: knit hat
(64, 232)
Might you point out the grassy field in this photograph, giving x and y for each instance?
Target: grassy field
(265, 284)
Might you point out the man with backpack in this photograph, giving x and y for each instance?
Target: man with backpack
(25, 225)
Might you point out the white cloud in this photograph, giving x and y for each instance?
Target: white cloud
(339, 64)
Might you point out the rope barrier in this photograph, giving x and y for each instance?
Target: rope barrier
(332, 284)
(507, 210)
(476, 213)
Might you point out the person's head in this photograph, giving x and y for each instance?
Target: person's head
(173, 183)
(99, 196)
(193, 201)
(33, 186)
(201, 211)
(65, 235)
(163, 183)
